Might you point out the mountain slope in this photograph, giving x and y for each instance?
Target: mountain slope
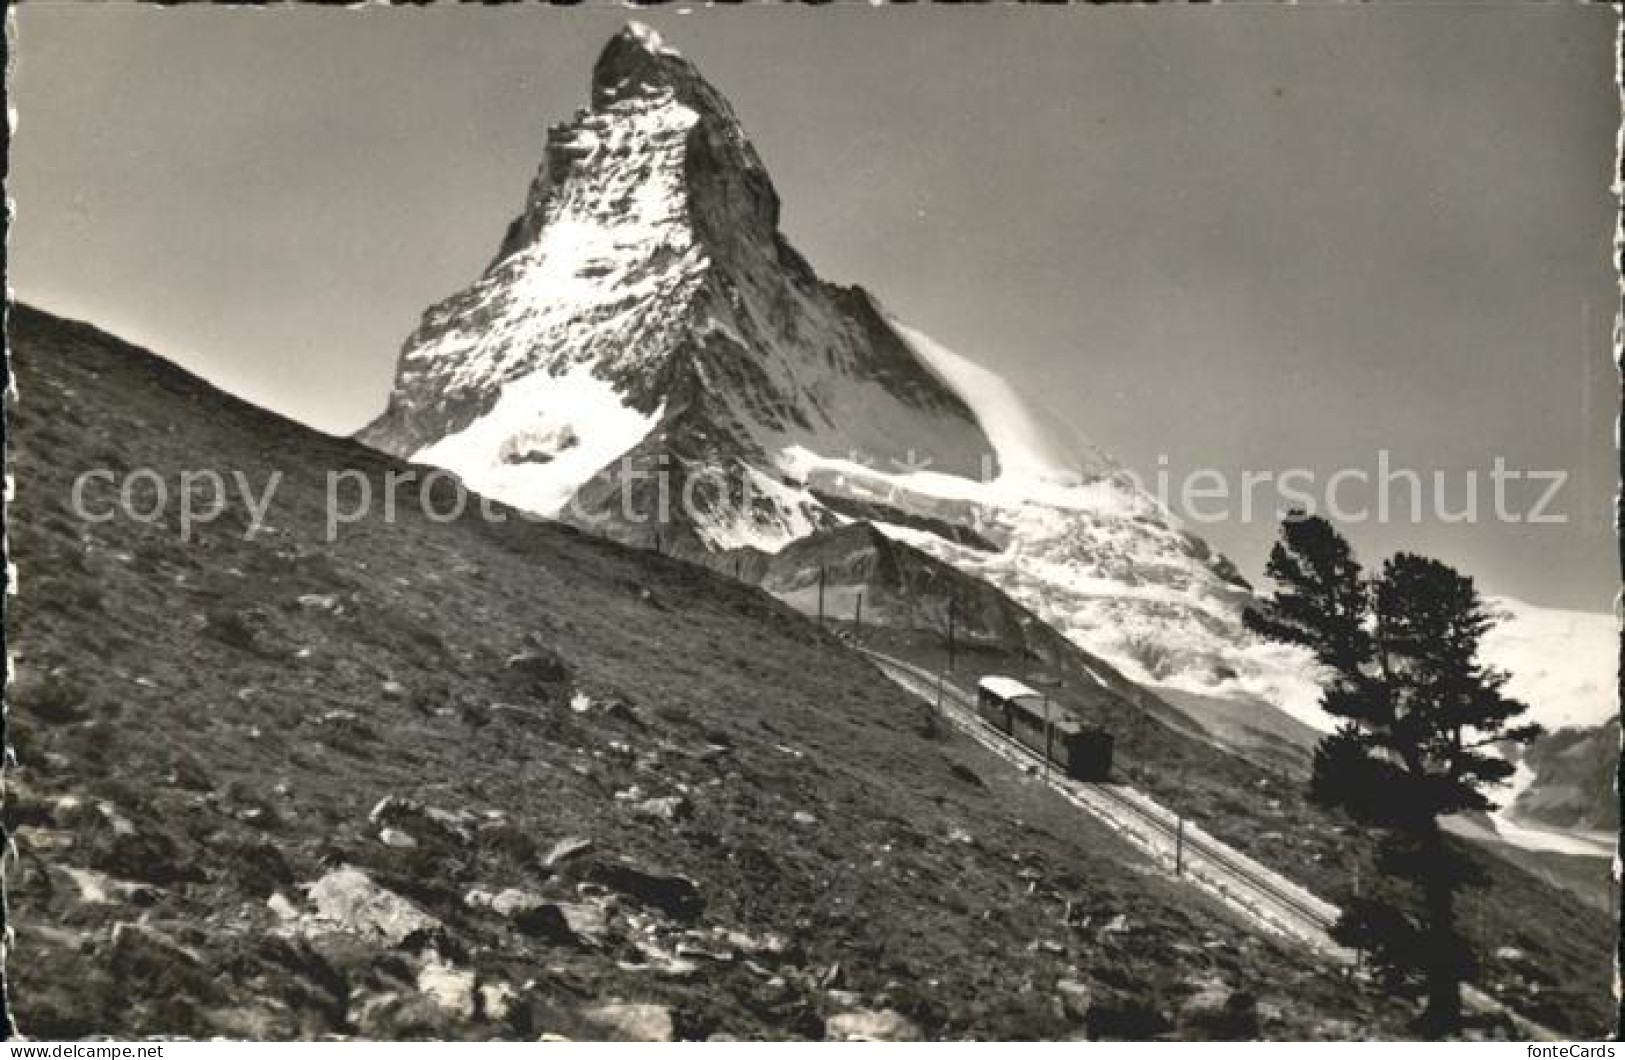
(207, 733)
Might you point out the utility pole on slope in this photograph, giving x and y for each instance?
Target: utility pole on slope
(950, 634)
(820, 596)
(857, 621)
(1049, 737)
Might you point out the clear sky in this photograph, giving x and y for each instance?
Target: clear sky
(1244, 237)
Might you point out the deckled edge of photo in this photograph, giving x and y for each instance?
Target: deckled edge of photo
(8, 853)
(1619, 484)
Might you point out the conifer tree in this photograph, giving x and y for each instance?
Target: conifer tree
(1420, 716)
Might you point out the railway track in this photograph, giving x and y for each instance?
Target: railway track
(1228, 875)
(1262, 896)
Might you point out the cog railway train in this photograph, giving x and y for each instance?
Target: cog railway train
(1083, 752)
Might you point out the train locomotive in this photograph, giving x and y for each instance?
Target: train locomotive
(1082, 752)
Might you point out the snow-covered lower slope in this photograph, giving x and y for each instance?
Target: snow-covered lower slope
(1082, 546)
(1564, 664)
(545, 436)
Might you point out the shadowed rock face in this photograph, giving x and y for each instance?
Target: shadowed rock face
(1574, 785)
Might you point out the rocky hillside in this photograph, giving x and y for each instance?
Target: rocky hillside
(478, 780)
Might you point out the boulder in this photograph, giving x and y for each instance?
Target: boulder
(676, 896)
(451, 988)
(1075, 997)
(620, 1021)
(530, 912)
(496, 1001)
(588, 921)
(394, 837)
(871, 1025)
(347, 899)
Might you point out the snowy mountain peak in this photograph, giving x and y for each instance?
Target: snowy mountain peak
(644, 36)
(637, 60)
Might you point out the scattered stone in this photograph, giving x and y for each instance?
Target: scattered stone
(1509, 953)
(621, 1021)
(120, 824)
(393, 689)
(803, 817)
(660, 962)
(871, 1025)
(586, 920)
(565, 849)
(402, 813)
(319, 602)
(279, 904)
(769, 945)
(580, 703)
(97, 888)
(496, 1000)
(666, 808)
(1211, 995)
(536, 916)
(1075, 996)
(508, 902)
(449, 987)
(347, 899)
(394, 837)
(959, 835)
(677, 896)
(716, 954)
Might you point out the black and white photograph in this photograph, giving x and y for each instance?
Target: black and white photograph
(812, 522)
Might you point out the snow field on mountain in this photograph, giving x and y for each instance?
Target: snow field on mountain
(544, 439)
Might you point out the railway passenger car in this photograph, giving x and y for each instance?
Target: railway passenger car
(1083, 752)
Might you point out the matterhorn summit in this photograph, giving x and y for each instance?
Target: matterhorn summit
(647, 356)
